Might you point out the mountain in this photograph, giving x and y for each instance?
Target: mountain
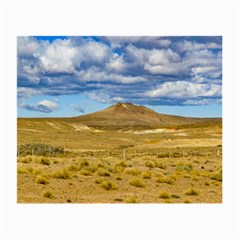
(127, 116)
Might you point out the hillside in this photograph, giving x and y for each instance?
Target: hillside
(129, 116)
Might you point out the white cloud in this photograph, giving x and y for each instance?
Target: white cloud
(184, 90)
(119, 68)
(191, 46)
(27, 46)
(45, 106)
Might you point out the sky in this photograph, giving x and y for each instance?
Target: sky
(64, 76)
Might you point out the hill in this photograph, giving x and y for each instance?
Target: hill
(128, 116)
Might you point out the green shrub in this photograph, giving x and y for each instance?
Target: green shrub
(137, 183)
(45, 161)
(86, 172)
(217, 176)
(48, 194)
(42, 180)
(207, 183)
(192, 192)
(100, 164)
(150, 164)
(131, 200)
(184, 167)
(64, 174)
(84, 163)
(109, 185)
(175, 196)
(39, 149)
(168, 180)
(163, 155)
(74, 167)
(165, 195)
(27, 159)
(98, 180)
(160, 165)
(132, 171)
(102, 172)
(118, 178)
(147, 175)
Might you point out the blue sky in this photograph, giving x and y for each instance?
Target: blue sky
(63, 76)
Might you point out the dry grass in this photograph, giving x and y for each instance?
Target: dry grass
(95, 171)
(137, 183)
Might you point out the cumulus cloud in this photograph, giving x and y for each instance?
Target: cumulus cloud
(184, 90)
(44, 106)
(110, 69)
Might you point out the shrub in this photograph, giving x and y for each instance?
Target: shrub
(160, 165)
(84, 163)
(132, 171)
(45, 161)
(64, 174)
(22, 171)
(109, 185)
(39, 149)
(150, 164)
(192, 192)
(207, 183)
(48, 194)
(42, 180)
(103, 172)
(86, 172)
(100, 164)
(175, 196)
(131, 200)
(168, 180)
(217, 176)
(118, 178)
(163, 155)
(137, 183)
(147, 175)
(26, 159)
(187, 201)
(165, 195)
(184, 167)
(98, 180)
(74, 167)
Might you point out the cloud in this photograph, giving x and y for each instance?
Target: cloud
(110, 69)
(184, 90)
(192, 46)
(77, 108)
(44, 106)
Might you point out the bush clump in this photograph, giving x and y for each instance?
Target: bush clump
(48, 194)
(107, 185)
(184, 167)
(165, 195)
(192, 192)
(137, 183)
(131, 200)
(45, 161)
(217, 176)
(150, 164)
(147, 175)
(42, 180)
(39, 149)
(103, 173)
(64, 174)
(132, 171)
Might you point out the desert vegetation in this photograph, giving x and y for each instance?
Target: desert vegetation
(63, 161)
(75, 179)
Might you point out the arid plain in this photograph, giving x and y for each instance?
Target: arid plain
(123, 154)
